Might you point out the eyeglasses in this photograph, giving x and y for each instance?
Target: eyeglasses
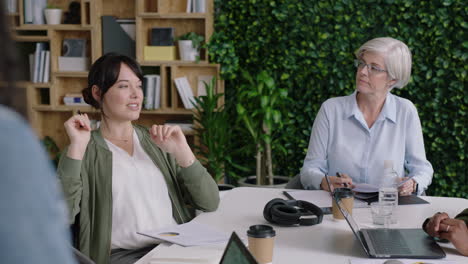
(371, 69)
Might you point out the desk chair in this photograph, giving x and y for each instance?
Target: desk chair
(81, 258)
(295, 183)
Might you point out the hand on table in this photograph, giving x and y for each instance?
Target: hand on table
(172, 140)
(337, 182)
(407, 188)
(456, 232)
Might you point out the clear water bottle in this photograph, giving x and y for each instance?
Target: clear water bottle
(388, 191)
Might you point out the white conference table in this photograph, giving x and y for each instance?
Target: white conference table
(331, 242)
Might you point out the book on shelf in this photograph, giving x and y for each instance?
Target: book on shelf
(196, 6)
(162, 36)
(34, 11)
(152, 91)
(38, 62)
(12, 6)
(74, 99)
(185, 92)
(41, 65)
(189, 6)
(28, 11)
(148, 92)
(203, 80)
(46, 76)
(199, 6)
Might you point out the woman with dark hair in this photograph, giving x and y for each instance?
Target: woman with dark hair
(124, 178)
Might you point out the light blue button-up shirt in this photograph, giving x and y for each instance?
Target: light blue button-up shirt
(341, 141)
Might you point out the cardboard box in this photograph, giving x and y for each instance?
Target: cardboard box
(159, 53)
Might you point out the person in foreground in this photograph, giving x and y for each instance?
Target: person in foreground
(33, 225)
(124, 178)
(353, 135)
(455, 230)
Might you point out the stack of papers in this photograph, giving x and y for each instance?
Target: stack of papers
(171, 254)
(188, 234)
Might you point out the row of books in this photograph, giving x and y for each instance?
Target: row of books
(196, 6)
(152, 91)
(34, 11)
(39, 64)
(11, 6)
(185, 90)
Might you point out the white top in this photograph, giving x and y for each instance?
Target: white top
(140, 199)
(341, 141)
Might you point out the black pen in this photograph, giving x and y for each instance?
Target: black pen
(339, 176)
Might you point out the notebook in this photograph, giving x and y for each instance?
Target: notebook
(236, 252)
(393, 243)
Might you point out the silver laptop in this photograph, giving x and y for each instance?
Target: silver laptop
(393, 243)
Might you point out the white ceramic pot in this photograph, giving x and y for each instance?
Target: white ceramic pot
(186, 51)
(53, 16)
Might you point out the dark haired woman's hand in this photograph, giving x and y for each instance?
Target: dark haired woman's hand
(433, 226)
(455, 231)
(172, 140)
(79, 131)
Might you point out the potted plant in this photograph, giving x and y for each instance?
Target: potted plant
(52, 148)
(258, 109)
(211, 127)
(189, 46)
(53, 14)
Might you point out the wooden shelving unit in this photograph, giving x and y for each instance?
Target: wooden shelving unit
(46, 109)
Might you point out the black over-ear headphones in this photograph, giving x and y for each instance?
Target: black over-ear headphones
(292, 212)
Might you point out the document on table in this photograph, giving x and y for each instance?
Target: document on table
(320, 198)
(188, 234)
(403, 261)
(172, 254)
(365, 188)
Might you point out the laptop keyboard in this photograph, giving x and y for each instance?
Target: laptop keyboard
(388, 242)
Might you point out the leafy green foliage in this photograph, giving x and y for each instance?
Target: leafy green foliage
(260, 112)
(212, 128)
(309, 46)
(196, 39)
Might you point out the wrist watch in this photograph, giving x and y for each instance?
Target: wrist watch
(415, 186)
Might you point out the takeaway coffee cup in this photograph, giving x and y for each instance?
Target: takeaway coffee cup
(261, 241)
(347, 198)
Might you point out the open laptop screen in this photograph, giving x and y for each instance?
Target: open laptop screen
(354, 226)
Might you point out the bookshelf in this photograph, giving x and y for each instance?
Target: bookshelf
(46, 110)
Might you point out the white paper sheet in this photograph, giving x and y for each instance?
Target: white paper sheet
(188, 234)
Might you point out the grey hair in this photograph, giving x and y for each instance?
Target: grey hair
(397, 58)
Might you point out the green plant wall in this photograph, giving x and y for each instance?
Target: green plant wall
(308, 45)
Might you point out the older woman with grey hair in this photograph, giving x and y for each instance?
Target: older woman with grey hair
(353, 136)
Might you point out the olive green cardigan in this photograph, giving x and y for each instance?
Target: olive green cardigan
(87, 185)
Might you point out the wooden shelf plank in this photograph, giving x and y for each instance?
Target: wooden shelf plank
(174, 15)
(166, 111)
(176, 62)
(83, 74)
(20, 38)
(54, 27)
